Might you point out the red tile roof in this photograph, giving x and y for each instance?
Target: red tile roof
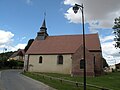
(63, 44)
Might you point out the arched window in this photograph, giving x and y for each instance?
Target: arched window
(60, 59)
(40, 59)
(82, 64)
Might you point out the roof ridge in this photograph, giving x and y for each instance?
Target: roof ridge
(74, 35)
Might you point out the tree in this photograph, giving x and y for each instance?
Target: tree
(105, 64)
(116, 29)
(28, 45)
(5, 55)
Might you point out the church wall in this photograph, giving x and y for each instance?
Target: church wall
(98, 63)
(77, 56)
(49, 64)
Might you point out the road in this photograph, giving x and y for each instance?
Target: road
(13, 80)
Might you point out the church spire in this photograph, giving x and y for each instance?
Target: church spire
(42, 34)
(43, 27)
(44, 23)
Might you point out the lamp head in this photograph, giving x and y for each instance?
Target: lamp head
(75, 8)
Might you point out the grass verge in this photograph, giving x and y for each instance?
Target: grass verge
(56, 83)
(111, 80)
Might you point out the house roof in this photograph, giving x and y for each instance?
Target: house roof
(64, 44)
(20, 52)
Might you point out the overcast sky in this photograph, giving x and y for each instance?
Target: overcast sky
(20, 21)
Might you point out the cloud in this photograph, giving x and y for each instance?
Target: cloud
(12, 48)
(6, 41)
(18, 46)
(110, 53)
(101, 11)
(5, 37)
(73, 18)
(107, 38)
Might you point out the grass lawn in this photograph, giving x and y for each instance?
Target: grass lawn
(110, 80)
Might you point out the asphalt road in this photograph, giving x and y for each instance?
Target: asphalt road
(13, 80)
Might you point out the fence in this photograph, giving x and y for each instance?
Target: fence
(78, 84)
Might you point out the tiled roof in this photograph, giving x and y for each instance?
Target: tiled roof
(20, 52)
(63, 44)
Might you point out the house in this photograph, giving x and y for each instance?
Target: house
(64, 54)
(117, 66)
(18, 55)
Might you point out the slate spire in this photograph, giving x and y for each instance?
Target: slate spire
(42, 34)
(43, 27)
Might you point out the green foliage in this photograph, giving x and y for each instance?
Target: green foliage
(4, 63)
(105, 64)
(28, 45)
(20, 64)
(5, 55)
(116, 29)
(11, 64)
(16, 64)
(110, 80)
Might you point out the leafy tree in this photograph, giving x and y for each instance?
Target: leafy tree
(105, 64)
(6, 55)
(116, 29)
(28, 45)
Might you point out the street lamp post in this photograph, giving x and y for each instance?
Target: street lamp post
(76, 7)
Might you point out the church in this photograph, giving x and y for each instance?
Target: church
(64, 54)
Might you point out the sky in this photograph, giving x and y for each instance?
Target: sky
(20, 20)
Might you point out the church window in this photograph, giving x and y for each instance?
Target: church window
(40, 59)
(60, 59)
(82, 64)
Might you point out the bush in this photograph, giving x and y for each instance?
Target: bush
(13, 64)
(20, 64)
